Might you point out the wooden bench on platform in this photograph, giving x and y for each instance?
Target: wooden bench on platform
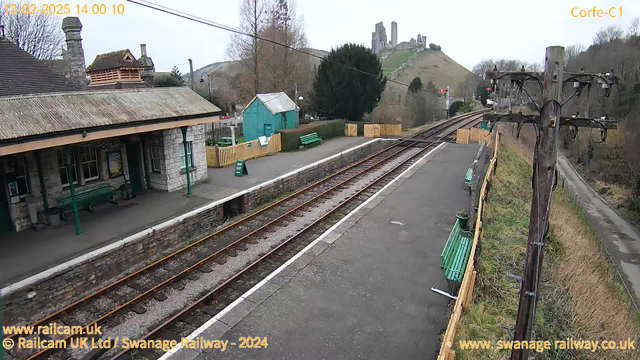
(87, 198)
(310, 139)
(454, 257)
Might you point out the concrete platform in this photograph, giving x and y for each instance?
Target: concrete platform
(363, 289)
(28, 252)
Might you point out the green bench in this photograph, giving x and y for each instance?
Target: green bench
(468, 177)
(225, 141)
(87, 198)
(310, 139)
(455, 256)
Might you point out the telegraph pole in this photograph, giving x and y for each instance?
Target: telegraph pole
(543, 180)
(296, 102)
(191, 73)
(548, 126)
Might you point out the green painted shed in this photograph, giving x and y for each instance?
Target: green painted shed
(267, 113)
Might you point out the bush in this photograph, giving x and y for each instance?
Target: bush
(433, 46)
(455, 106)
(326, 129)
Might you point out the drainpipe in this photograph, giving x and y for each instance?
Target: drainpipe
(186, 158)
(74, 204)
(43, 188)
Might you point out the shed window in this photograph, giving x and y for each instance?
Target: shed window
(64, 179)
(189, 155)
(89, 158)
(156, 158)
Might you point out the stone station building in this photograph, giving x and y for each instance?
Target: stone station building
(135, 137)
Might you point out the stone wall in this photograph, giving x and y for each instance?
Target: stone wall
(170, 178)
(51, 175)
(63, 287)
(157, 180)
(173, 148)
(305, 177)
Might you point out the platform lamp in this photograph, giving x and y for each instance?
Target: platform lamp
(208, 83)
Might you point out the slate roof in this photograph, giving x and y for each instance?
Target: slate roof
(113, 60)
(21, 73)
(59, 66)
(276, 102)
(24, 116)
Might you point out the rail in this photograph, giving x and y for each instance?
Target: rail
(163, 328)
(403, 145)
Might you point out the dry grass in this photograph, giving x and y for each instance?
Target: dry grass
(578, 298)
(433, 66)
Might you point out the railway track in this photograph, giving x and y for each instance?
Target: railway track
(108, 306)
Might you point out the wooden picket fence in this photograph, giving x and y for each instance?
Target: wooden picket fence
(468, 281)
(391, 129)
(351, 130)
(378, 130)
(479, 135)
(225, 156)
(462, 136)
(372, 130)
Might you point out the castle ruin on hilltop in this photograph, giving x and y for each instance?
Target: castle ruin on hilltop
(380, 44)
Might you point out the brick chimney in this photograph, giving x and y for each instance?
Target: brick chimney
(74, 54)
(149, 69)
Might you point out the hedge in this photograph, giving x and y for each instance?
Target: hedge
(326, 129)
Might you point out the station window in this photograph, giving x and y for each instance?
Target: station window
(18, 179)
(89, 164)
(189, 155)
(64, 179)
(156, 157)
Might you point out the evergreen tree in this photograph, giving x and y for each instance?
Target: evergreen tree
(173, 79)
(416, 85)
(341, 92)
(175, 72)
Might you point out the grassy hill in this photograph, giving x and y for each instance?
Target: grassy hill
(231, 68)
(428, 65)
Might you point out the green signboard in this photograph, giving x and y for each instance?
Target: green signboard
(241, 168)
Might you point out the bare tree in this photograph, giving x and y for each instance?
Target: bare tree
(246, 49)
(534, 66)
(481, 68)
(571, 52)
(634, 28)
(608, 34)
(285, 67)
(38, 34)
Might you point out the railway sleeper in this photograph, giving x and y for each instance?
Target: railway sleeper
(158, 296)
(193, 320)
(170, 335)
(138, 309)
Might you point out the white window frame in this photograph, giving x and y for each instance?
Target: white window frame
(189, 152)
(93, 158)
(60, 156)
(156, 157)
(21, 163)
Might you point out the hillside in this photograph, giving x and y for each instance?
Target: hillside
(404, 65)
(231, 68)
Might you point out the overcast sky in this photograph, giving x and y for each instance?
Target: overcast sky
(467, 30)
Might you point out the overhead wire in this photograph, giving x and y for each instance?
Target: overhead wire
(187, 16)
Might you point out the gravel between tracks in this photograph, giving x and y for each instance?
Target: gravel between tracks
(134, 325)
